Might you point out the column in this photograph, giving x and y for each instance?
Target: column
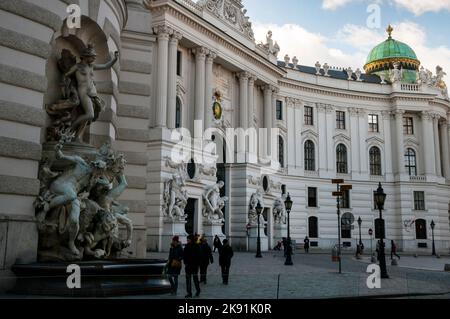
(330, 143)
(445, 149)
(428, 143)
(437, 144)
(321, 124)
(354, 128)
(291, 139)
(400, 160)
(172, 79)
(386, 115)
(267, 118)
(208, 88)
(298, 121)
(200, 59)
(251, 100)
(273, 137)
(363, 131)
(163, 33)
(243, 99)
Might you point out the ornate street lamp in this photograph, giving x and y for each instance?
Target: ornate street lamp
(433, 253)
(360, 241)
(259, 209)
(288, 205)
(380, 197)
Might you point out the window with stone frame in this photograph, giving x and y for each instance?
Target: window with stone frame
(341, 159)
(345, 199)
(373, 123)
(419, 200)
(309, 117)
(408, 125)
(279, 110)
(312, 196)
(281, 151)
(313, 227)
(375, 161)
(310, 161)
(179, 63)
(410, 162)
(340, 120)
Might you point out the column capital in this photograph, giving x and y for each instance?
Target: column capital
(243, 76)
(200, 52)
(275, 90)
(329, 108)
(436, 116)
(252, 78)
(362, 113)
(427, 115)
(353, 111)
(399, 112)
(177, 36)
(321, 108)
(386, 115)
(163, 31)
(211, 56)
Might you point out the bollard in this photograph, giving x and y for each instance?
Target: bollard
(447, 267)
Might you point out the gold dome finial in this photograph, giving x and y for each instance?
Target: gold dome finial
(389, 31)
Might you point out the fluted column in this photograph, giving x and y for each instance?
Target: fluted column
(163, 33)
(428, 143)
(437, 146)
(386, 115)
(321, 124)
(399, 142)
(243, 99)
(199, 110)
(445, 149)
(330, 129)
(363, 132)
(354, 128)
(208, 88)
(251, 100)
(172, 79)
(267, 118)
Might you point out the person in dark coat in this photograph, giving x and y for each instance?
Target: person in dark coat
(206, 259)
(306, 244)
(394, 250)
(217, 243)
(191, 257)
(225, 255)
(284, 241)
(174, 263)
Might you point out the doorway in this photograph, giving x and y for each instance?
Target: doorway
(190, 216)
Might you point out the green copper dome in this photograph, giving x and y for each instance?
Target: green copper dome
(390, 54)
(391, 49)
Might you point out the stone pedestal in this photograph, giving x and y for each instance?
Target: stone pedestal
(279, 231)
(253, 238)
(211, 229)
(173, 228)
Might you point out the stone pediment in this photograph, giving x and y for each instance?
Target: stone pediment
(231, 13)
(375, 140)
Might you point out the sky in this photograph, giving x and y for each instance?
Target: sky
(342, 32)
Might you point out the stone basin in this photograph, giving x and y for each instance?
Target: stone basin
(102, 278)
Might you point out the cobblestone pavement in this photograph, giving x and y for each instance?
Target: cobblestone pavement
(420, 262)
(311, 276)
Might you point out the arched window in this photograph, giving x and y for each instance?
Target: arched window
(421, 229)
(281, 151)
(310, 161)
(178, 113)
(341, 159)
(410, 162)
(375, 161)
(313, 229)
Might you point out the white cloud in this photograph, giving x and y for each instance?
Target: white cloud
(310, 47)
(417, 7)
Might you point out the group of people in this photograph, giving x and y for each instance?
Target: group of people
(393, 250)
(197, 255)
(284, 243)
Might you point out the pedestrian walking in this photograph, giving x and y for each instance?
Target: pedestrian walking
(306, 244)
(217, 243)
(174, 263)
(191, 257)
(225, 255)
(394, 250)
(205, 260)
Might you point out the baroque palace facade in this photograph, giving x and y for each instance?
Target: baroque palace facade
(182, 62)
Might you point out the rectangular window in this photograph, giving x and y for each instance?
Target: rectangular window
(408, 126)
(373, 123)
(340, 120)
(345, 200)
(179, 56)
(309, 120)
(312, 197)
(279, 110)
(419, 200)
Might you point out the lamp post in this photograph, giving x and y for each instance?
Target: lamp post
(288, 205)
(339, 194)
(360, 241)
(380, 197)
(433, 252)
(258, 242)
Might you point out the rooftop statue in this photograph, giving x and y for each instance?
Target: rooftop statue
(80, 104)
